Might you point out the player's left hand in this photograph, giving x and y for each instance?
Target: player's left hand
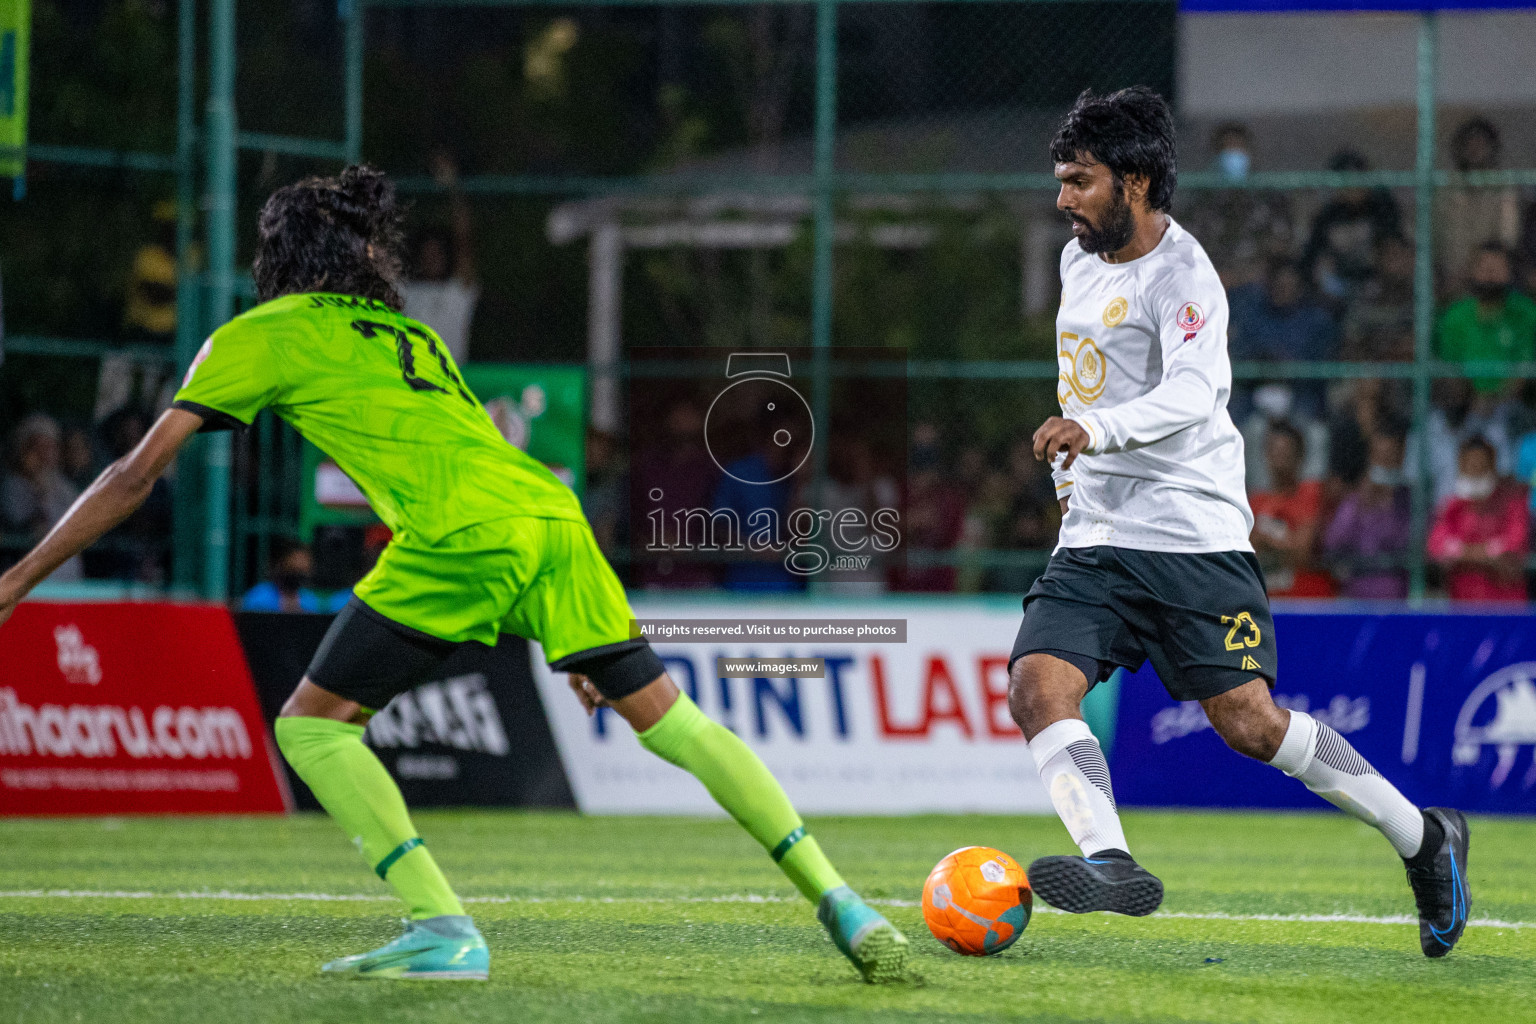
(587, 693)
(1060, 435)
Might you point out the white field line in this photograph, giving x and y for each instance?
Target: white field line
(326, 897)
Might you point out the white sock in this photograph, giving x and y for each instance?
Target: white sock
(1328, 766)
(1072, 767)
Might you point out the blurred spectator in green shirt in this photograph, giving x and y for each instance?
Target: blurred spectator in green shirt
(1493, 322)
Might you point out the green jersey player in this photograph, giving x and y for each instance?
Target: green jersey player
(486, 541)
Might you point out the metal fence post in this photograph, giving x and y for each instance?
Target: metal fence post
(219, 158)
(353, 13)
(188, 326)
(825, 228)
(1423, 295)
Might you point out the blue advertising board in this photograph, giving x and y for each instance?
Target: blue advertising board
(1442, 705)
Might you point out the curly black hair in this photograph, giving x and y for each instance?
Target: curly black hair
(338, 234)
(1130, 132)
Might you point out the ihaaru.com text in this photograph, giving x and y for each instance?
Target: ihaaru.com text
(811, 540)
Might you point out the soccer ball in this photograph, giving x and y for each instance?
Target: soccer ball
(976, 901)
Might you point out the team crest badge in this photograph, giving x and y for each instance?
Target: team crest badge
(1089, 365)
(1191, 316)
(1115, 312)
(1082, 369)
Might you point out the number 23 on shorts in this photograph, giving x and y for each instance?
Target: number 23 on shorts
(1242, 621)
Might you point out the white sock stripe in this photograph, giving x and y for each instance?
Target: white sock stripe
(1089, 758)
(323, 897)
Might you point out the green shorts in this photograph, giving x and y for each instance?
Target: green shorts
(541, 579)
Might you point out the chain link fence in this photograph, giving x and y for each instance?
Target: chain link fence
(857, 175)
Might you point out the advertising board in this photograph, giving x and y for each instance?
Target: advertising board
(130, 708)
(889, 728)
(1444, 706)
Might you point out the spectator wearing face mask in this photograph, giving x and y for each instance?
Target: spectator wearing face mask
(1287, 518)
(286, 588)
(1493, 322)
(1457, 416)
(1371, 530)
(1242, 229)
(1482, 534)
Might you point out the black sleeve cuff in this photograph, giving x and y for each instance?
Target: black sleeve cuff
(212, 418)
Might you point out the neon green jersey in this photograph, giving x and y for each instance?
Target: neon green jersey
(380, 394)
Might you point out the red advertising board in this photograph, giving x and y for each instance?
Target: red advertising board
(130, 708)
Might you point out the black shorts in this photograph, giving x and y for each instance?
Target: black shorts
(1203, 620)
(369, 658)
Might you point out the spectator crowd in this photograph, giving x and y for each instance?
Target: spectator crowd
(46, 468)
(1329, 460)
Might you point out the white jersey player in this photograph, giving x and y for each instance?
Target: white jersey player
(1154, 561)
(1144, 370)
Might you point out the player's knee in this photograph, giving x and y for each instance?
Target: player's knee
(1253, 733)
(1245, 739)
(1031, 699)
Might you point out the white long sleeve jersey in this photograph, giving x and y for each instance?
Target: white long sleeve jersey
(1142, 348)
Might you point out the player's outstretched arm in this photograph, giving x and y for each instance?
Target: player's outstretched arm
(111, 498)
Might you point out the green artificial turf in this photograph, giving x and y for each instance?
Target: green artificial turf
(645, 919)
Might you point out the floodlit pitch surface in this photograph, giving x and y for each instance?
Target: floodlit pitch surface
(1268, 918)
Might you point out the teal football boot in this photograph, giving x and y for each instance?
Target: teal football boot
(871, 942)
(446, 948)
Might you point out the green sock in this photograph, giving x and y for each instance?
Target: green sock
(742, 784)
(357, 791)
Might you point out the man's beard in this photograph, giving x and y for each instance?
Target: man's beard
(1116, 230)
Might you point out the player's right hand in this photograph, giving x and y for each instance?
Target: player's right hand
(587, 693)
(1057, 435)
